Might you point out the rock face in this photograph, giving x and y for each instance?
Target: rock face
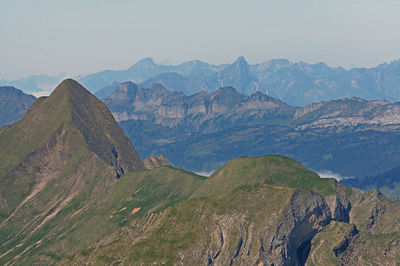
(212, 128)
(155, 161)
(306, 215)
(13, 105)
(169, 108)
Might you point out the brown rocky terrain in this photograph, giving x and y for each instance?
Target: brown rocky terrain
(152, 161)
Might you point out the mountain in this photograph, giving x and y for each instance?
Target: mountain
(106, 91)
(13, 104)
(296, 83)
(180, 83)
(350, 137)
(144, 70)
(74, 191)
(273, 215)
(201, 110)
(33, 84)
(64, 152)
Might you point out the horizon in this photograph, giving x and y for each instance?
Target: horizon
(83, 37)
(64, 75)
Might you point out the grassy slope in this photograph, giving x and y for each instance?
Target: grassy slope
(182, 228)
(151, 190)
(269, 169)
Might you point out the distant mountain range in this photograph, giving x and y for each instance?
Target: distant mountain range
(13, 104)
(34, 84)
(297, 84)
(350, 137)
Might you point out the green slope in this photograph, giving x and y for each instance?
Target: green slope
(147, 191)
(270, 169)
(174, 236)
(62, 155)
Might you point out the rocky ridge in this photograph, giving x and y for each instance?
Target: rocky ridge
(258, 224)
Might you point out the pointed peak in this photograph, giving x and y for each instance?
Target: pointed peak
(148, 61)
(241, 61)
(70, 86)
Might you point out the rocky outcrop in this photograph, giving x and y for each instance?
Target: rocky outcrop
(339, 204)
(155, 161)
(306, 215)
(170, 108)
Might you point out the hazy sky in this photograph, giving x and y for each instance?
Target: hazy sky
(85, 36)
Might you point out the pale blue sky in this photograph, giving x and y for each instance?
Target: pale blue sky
(85, 36)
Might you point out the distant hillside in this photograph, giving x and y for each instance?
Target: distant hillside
(351, 137)
(13, 105)
(388, 182)
(297, 84)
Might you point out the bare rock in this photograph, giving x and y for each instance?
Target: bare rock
(155, 161)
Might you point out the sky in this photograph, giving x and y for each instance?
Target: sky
(79, 37)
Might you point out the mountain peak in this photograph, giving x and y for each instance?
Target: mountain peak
(241, 61)
(71, 87)
(94, 121)
(145, 63)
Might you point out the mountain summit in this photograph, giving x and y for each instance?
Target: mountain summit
(66, 150)
(98, 127)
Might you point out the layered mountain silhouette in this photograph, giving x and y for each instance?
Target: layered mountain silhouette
(13, 104)
(297, 84)
(350, 137)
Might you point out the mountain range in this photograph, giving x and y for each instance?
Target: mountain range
(350, 137)
(74, 191)
(297, 84)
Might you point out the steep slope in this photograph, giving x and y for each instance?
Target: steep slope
(87, 220)
(242, 223)
(65, 151)
(13, 105)
(251, 223)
